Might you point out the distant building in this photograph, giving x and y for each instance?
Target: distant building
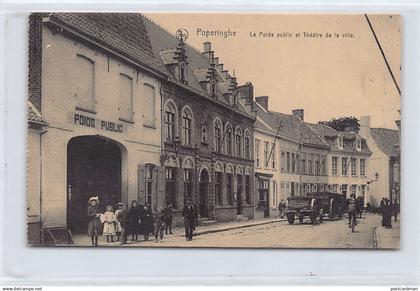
(348, 161)
(290, 157)
(384, 164)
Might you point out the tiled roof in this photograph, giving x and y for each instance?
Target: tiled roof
(124, 33)
(163, 42)
(330, 135)
(291, 127)
(388, 140)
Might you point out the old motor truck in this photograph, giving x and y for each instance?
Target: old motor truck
(333, 204)
(303, 206)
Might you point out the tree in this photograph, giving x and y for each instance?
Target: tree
(343, 123)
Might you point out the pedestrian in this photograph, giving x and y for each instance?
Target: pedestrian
(368, 207)
(134, 220)
(381, 206)
(94, 225)
(168, 218)
(146, 224)
(117, 222)
(387, 214)
(351, 209)
(189, 215)
(158, 223)
(281, 208)
(108, 220)
(395, 210)
(123, 218)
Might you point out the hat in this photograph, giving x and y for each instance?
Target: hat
(96, 198)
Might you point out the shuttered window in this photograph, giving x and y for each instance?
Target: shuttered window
(126, 98)
(85, 83)
(149, 105)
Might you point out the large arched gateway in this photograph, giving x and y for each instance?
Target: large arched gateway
(94, 168)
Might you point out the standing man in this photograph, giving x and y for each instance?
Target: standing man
(281, 208)
(351, 206)
(188, 217)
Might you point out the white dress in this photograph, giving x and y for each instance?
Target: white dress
(108, 219)
(117, 222)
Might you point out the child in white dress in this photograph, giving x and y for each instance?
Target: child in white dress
(108, 219)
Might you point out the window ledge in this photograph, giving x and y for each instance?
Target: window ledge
(85, 110)
(149, 126)
(126, 120)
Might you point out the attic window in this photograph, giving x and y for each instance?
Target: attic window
(358, 144)
(340, 142)
(182, 72)
(212, 88)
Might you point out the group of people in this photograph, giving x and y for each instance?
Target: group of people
(139, 219)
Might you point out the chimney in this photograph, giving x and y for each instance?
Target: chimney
(246, 92)
(263, 101)
(207, 46)
(364, 126)
(299, 113)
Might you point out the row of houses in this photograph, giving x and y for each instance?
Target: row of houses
(122, 109)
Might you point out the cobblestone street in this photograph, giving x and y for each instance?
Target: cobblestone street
(278, 234)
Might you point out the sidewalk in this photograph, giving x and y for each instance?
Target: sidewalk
(388, 238)
(84, 240)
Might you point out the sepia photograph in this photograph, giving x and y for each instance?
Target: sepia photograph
(214, 130)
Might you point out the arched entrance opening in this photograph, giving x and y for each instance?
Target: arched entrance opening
(94, 168)
(204, 197)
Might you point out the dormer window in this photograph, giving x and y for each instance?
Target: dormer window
(212, 88)
(182, 72)
(358, 144)
(340, 142)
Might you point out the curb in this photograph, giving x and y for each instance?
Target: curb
(235, 227)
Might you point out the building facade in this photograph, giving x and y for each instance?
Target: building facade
(290, 156)
(207, 135)
(99, 100)
(347, 160)
(384, 174)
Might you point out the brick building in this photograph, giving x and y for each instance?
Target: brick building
(207, 136)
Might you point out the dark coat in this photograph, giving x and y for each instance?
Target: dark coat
(123, 218)
(386, 214)
(168, 215)
(134, 220)
(94, 225)
(189, 213)
(147, 222)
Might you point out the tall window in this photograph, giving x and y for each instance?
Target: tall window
(170, 174)
(257, 153)
(228, 139)
(85, 85)
(353, 167)
(334, 165)
(358, 144)
(170, 118)
(148, 182)
(323, 166)
(149, 106)
(353, 189)
(248, 189)
(340, 142)
(293, 168)
(288, 162)
(126, 97)
(303, 164)
(238, 142)
(266, 153)
(273, 157)
(363, 190)
(362, 167)
(229, 188)
(310, 164)
(317, 165)
(344, 166)
(239, 186)
(218, 188)
(204, 133)
(246, 144)
(187, 127)
(188, 184)
(217, 136)
(283, 161)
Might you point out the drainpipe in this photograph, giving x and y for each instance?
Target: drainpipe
(40, 186)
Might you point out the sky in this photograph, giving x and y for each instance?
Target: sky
(327, 77)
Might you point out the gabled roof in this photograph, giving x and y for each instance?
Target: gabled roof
(124, 33)
(163, 42)
(291, 127)
(388, 140)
